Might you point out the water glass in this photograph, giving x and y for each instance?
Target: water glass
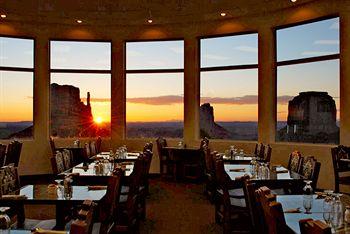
(327, 209)
(5, 221)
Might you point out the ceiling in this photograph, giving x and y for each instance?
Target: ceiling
(133, 12)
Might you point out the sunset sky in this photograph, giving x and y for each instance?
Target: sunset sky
(159, 97)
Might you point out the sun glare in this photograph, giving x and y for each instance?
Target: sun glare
(98, 120)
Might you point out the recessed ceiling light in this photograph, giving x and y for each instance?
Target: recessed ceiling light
(149, 21)
(293, 0)
(223, 14)
(79, 21)
(3, 16)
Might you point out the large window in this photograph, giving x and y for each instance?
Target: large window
(80, 99)
(229, 87)
(154, 89)
(308, 82)
(16, 87)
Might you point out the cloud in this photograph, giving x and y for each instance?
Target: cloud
(215, 57)
(177, 50)
(317, 53)
(326, 42)
(176, 99)
(61, 48)
(249, 49)
(335, 25)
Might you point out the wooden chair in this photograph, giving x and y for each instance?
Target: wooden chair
(164, 161)
(267, 153)
(209, 173)
(254, 207)
(87, 150)
(310, 226)
(339, 167)
(93, 150)
(310, 170)
(67, 159)
(127, 207)
(108, 206)
(148, 146)
(144, 186)
(260, 151)
(98, 144)
(84, 223)
(2, 154)
(57, 163)
(52, 146)
(13, 153)
(230, 207)
(295, 161)
(204, 141)
(272, 211)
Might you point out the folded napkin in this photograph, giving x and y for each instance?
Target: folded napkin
(238, 170)
(105, 153)
(13, 197)
(321, 195)
(294, 210)
(97, 187)
(43, 231)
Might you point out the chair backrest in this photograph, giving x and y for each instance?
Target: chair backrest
(161, 143)
(52, 145)
(261, 151)
(93, 150)
(87, 150)
(84, 223)
(254, 207)
(310, 169)
(57, 163)
(13, 153)
(9, 180)
(204, 141)
(2, 154)
(295, 160)
(256, 149)
(109, 204)
(310, 226)
(67, 159)
(272, 210)
(148, 146)
(338, 153)
(267, 153)
(208, 160)
(98, 144)
(148, 155)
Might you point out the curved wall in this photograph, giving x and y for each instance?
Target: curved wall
(36, 152)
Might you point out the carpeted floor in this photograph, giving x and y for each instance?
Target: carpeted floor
(178, 208)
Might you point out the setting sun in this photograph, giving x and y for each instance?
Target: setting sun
(98, 120)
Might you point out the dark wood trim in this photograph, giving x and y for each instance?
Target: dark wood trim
(85, 71)
(228, 34)
(78, 40)
(17, 37)
(155, 40)
(309, 60)
(17, 69)
(233, 67)
(143, 71)
(332, 16)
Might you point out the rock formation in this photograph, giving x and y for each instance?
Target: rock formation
(70, 117)
(311, 118)
(208, 126)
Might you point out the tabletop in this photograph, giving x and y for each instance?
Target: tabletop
(282, 173)
(41, 194)
(296, 201)
(91, 171)
(130, 156)
(181, 148)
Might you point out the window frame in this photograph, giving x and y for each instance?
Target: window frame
(151, 71)
(24, 69)
(79, 71)
(308, 60)
(227, 68)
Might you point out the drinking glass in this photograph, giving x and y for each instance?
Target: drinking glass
(327, 209)
(307, 197)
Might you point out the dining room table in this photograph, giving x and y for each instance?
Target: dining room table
(237, 159)
(294, 211)
(279, 178)
(44, 194)
(90, 174)
(128, 157)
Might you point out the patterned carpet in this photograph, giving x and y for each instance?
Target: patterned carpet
(178, 208)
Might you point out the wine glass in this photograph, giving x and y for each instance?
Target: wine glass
(308, 197)
(5, 221)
